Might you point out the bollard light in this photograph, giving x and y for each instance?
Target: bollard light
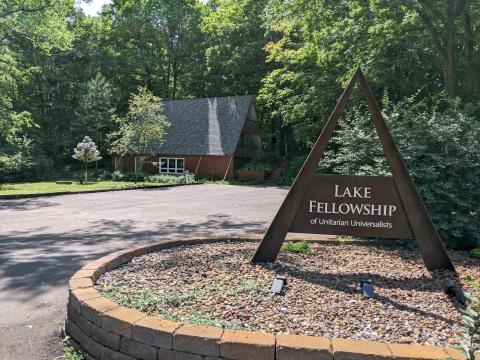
(277, 284)
(367, 288)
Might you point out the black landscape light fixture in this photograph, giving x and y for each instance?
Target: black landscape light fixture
(367, 288)
(277, 284)
(455, 292)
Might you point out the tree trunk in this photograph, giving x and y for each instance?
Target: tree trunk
(86, 173)
(471, 74)
(449, 58)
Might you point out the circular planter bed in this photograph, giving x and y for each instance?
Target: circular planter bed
(204, 298)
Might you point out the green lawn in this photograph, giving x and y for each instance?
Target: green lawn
(52, 187)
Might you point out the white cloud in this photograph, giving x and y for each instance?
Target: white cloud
(93, 7)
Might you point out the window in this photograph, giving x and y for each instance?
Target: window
(172, 165)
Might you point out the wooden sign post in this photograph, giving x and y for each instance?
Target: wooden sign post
(379, 206)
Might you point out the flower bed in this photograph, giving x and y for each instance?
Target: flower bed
(107, 330)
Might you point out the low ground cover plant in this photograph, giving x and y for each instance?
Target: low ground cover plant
(301, 247)
(469, 330)
(475, 253)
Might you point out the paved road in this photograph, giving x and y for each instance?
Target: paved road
(44, 241)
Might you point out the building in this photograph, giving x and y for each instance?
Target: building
(208, 137)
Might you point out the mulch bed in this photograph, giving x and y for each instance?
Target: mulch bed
(215, 284)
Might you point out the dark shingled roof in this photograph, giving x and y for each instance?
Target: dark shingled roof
(204, 126)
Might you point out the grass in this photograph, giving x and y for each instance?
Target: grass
(50, 187)
(302, 247)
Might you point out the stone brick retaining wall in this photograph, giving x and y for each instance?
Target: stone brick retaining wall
(107, 331)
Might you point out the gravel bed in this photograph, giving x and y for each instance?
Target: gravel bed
(215, 284)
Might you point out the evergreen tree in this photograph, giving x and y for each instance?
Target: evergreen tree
(95, 109)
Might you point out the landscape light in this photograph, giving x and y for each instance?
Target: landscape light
(367, 288)
(277, 284)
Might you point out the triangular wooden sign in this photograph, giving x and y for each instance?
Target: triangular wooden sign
(377, 206)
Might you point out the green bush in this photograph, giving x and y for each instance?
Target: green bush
(439, 144)
(20, 167)
(172, 179)
(292, 170)
(263, 162)
(475, 253)
(117, 175)
(302, 247)
(257, 167)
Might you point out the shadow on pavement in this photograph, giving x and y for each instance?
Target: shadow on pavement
(32, 264)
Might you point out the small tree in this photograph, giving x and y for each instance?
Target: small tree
(142, 129)
(86, 151)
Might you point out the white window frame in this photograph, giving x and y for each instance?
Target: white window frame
(171, 170)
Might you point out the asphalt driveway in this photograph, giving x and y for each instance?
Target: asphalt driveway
(44, 241)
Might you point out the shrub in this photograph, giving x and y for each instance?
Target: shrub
(186, 178)
(132, 176)
(439, 144)
(475, 253)
(117, 175)
(469, 327)
(103, 174)
(292, 170)
(302, 247)
(257, 167)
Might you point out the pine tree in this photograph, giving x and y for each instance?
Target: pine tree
(95, 109)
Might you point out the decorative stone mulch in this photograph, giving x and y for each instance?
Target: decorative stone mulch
(215, 284)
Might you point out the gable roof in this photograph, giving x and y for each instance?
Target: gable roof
(210, 126)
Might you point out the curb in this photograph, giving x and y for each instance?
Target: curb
(28, 196)
(106, 330)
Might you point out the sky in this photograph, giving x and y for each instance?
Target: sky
(92, 8)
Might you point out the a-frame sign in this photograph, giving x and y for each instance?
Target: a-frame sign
(377, 206)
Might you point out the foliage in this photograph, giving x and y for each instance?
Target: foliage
(475, 253)
(469, 333)
(186, 178)
(247, 285)
(149, 300)
(301, 247)
(290, 173)
(256, 166)
(142, 129)
(438, 142)
(209, 320)
(117, 175)
(86, 152)
(72, 354)
(234, 49)
(154, 302)
(63, 74)
(95, 109)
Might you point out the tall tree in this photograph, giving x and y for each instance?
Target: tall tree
(454, 27)
(156, 43)
(235, 57)
(95, 109)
